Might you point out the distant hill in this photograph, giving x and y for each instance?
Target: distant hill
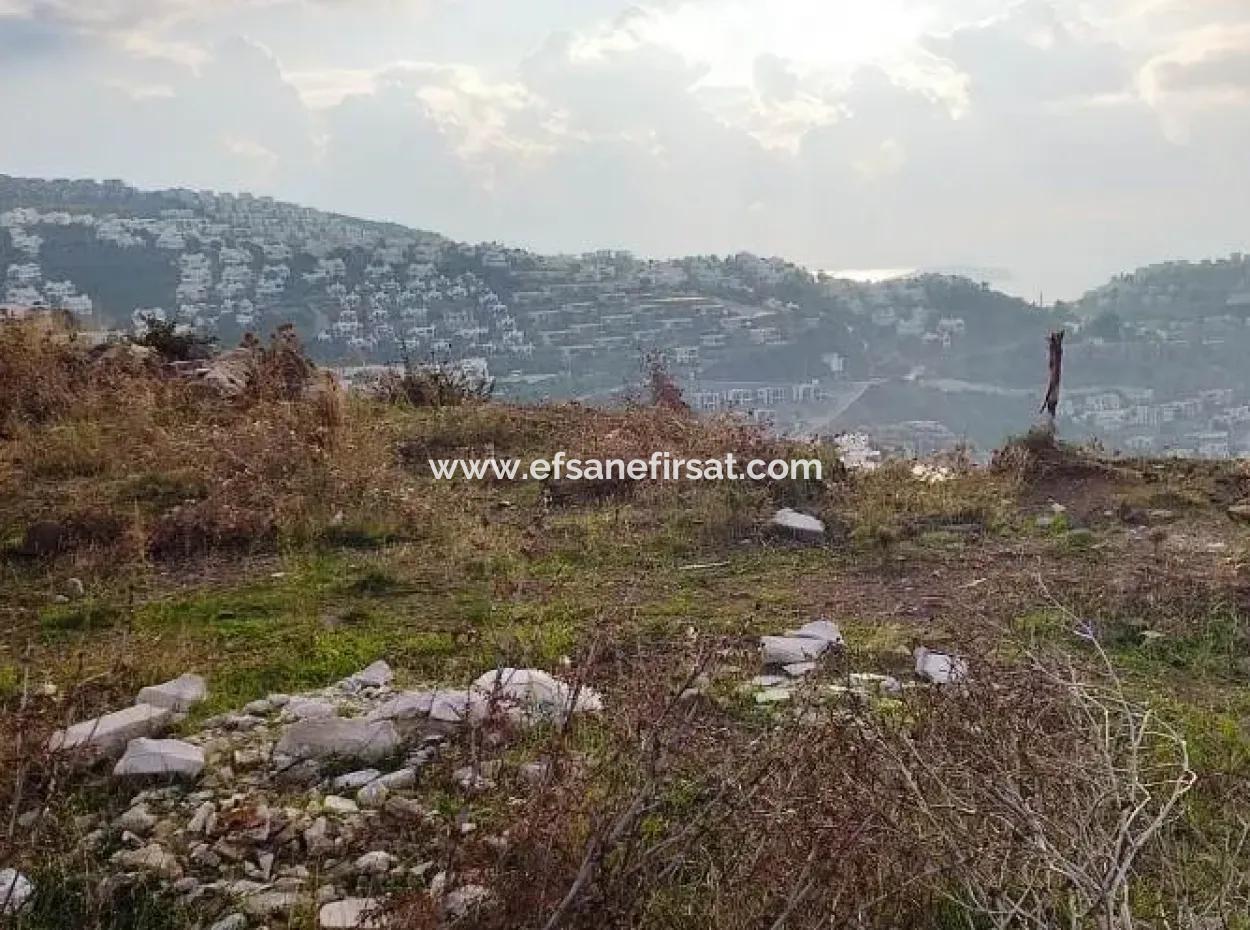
(738, 331)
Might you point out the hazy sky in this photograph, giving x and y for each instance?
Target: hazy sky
(1059, 140)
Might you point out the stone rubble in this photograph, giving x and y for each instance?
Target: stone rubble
(180, 694)
(15, 890)
(291, 805)
(109, 733)
(938, 667)
(798, 651)
(799, 526)
(160, 757)
(350, 914)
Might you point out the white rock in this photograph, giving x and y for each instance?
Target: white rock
(470, 780)
(825, 630)
(373, 795)
(339, 805)
(350, 914)
(151, 858)
(799, 669)
(409, 705)
(317, 837)
(938, 667)
(787, 650)
(338, 737)
(111, 732)
(457, 706)
(271, 903)
(374, 676)
(799, 525)
(231, 922)
(353, 780)
(182, 693)
(138, 819)
(537, 692)
(204, 816)
(300, 708)
(378, 862)
(768, 681)
(773, 696)
(161, 757)
(400, 779)
(15, 890)
(462, 901)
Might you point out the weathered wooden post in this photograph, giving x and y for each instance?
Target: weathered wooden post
(1051, 403)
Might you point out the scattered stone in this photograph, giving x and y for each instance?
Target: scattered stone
(151, 858)
(1240, 512)
(204, 819)
(768, 681)
(406, 706)
(304, 773)
(374, 676)
(378, 862)
(797, 525)
(204, 856)
(249, 758)
(471, 781)
(182, 693)
(271, 903)
(353, 780)
(265, 863)
(74, 589)
(823, 630)
(773, 696)
(404, 808)
(160, 757)
(111, 732)
(350, 914)
(373, 795)
(15, 890)
(338, 737)
(338, 805)
(317, 837)
(938, 667)
(139, 819)
(788, 650)
(457, 706)
(462, 901)
(799, 669)
(234, 921)
(400, 779)
(537, 692)
(261, 706)
(308, 709)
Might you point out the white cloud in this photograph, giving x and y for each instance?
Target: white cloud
(1062, 138)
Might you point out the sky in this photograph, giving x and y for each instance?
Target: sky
(1043, 145)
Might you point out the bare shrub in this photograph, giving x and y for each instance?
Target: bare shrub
(174, 342)
(662, 387)
(432, 384)
(1037, 797)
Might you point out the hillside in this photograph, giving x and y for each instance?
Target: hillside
(1154, 359)
(1082, 749)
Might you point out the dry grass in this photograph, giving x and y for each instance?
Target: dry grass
(285, 536)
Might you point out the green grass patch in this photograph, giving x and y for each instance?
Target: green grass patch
(79, 617)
